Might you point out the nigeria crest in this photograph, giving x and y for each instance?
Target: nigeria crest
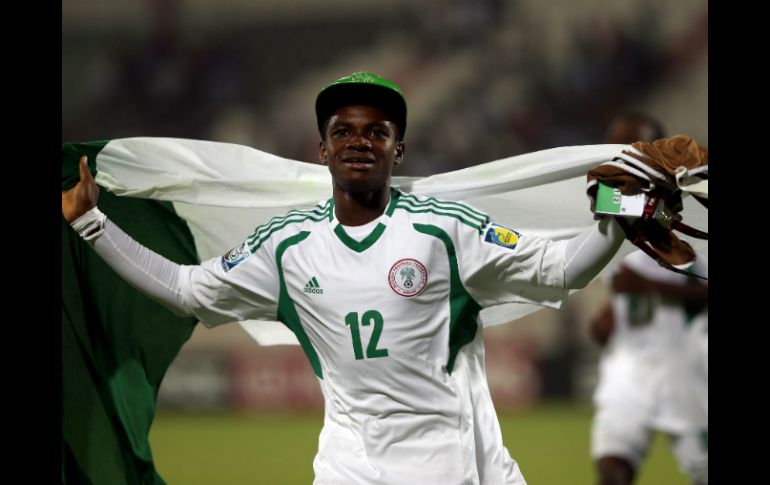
(408, 277)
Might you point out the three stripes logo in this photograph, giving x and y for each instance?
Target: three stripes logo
(312, 286)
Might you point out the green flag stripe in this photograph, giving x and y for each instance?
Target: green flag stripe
(119, 344)
(70, 155)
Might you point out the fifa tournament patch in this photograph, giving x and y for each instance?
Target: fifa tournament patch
(235, 256)
(408, 277)
(502, 236)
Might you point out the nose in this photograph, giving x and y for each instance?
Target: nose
(358, 141)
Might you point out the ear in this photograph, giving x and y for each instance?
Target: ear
(323, 154)
(400, 149)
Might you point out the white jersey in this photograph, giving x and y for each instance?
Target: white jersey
(389, 325)
(649, 326)
(651, 374)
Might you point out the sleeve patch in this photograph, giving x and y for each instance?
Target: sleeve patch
(501, 236)
(235, 256)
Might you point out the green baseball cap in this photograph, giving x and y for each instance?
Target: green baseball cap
(362, 88)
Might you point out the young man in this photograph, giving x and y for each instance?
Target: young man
(651, 372)
(625, 128)
(633, 126)
(382, 290)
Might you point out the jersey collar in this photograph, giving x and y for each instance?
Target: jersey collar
(368, 241)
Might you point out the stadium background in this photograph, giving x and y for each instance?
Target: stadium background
(485, 79)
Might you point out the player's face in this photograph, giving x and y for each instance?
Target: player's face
(626, 131)
(360, 148)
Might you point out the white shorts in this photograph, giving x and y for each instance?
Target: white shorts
(621, 434)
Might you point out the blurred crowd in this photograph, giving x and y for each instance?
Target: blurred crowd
(502, 90)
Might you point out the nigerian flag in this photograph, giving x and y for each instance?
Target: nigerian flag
(116, 343)
(191, 200)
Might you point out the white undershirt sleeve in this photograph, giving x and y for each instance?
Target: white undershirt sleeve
(146, 270)
(591, 250)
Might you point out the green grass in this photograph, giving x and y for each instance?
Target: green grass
(551, 445)
(549, 442)
(233, 449)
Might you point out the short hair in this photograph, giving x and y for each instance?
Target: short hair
(655, 131)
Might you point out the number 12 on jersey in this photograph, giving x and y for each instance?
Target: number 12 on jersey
(372, 352)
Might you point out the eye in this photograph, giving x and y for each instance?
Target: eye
(380, 132)
(339, 132)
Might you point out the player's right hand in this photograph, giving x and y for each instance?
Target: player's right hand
(82, 197)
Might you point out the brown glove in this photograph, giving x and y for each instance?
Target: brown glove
(668, 154)
(651, 168)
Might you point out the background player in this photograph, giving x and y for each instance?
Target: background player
(651, 373)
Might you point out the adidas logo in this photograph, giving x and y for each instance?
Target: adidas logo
(312, 286)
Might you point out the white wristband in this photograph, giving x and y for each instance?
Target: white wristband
(90, 225)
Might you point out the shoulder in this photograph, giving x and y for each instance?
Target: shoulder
(445, 213)
(267, 238)
(289, 224)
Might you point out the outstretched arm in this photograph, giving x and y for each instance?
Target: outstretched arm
(590, 251)
(147, 271)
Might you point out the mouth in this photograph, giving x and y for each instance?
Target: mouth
(358, 163)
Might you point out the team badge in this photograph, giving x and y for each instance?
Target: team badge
(235, 256)
(502, 236)
(408, 277)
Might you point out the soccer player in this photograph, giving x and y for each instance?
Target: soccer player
(633, 126)
(653, 371)
(651, 375)
(382, 289)
(624, 128)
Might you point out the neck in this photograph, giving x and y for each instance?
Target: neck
(356, 209)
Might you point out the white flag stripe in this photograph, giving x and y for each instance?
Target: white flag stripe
(224, 191)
